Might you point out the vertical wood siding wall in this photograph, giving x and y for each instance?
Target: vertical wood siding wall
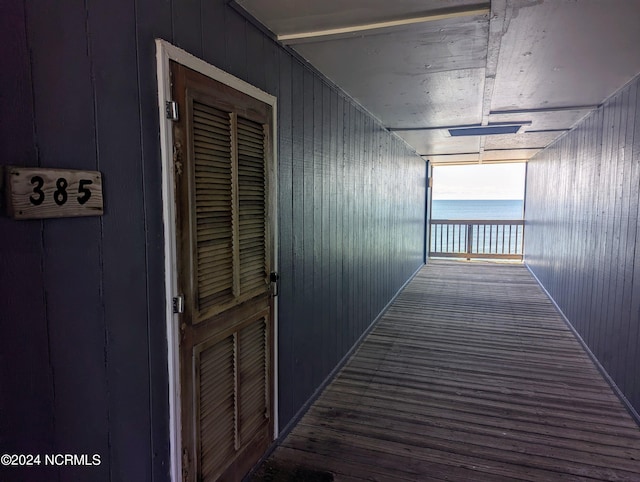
(582, 233)
(351, 227)
(83, 365)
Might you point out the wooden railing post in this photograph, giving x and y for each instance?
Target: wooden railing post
(469, 239)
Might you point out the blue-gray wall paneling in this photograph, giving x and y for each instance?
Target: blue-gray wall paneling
(83, 305)
(582, 232)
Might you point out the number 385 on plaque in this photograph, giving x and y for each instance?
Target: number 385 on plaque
(34, 193)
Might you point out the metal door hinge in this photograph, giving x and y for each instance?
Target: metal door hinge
(178, 304)
(171, 108)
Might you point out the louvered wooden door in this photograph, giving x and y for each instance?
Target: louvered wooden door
(221, 154)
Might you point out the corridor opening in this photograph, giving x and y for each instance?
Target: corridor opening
(477, 211)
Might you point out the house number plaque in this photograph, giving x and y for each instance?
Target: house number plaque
(35, 193)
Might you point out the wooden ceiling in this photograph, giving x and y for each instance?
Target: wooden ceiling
(424, 66)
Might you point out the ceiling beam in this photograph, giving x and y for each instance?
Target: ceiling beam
(545, 109)
(475, 162)
(472, 10)
(462, 126)
(488, 151)
(547, 130)
(503, 149)
(451, 154)
(496, 31)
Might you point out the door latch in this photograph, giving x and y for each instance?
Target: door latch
(273, 278)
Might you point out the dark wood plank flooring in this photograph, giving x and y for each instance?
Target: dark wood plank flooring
(470, 375)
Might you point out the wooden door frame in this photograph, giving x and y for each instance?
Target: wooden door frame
(166, 52)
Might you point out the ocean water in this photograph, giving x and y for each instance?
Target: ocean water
(477, 209)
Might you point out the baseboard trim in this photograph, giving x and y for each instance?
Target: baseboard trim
(632, 411)
(343, 361)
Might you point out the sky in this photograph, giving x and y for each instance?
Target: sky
(479, 181)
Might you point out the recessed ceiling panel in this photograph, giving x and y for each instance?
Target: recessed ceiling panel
(564, 119)
(285, 17)
(419, 49)
(439, 142)
(509, 155)
(424, 75)
(566, 53)
(432, 100)
(454, 159)
(524, 140)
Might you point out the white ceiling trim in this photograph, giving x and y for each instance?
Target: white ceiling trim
(470, 12)
(474, 162)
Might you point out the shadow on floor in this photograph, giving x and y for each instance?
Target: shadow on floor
(271, 471)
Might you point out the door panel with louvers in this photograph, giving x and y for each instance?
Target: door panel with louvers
(251, 188)
(216, 411)
(214, 206)
(228, 418)
(253, 404)
(221, 157)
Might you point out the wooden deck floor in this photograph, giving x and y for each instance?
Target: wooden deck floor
(471, 375)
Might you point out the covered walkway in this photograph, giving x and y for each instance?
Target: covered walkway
(470, 375)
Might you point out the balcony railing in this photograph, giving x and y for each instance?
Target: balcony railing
(476, 238)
